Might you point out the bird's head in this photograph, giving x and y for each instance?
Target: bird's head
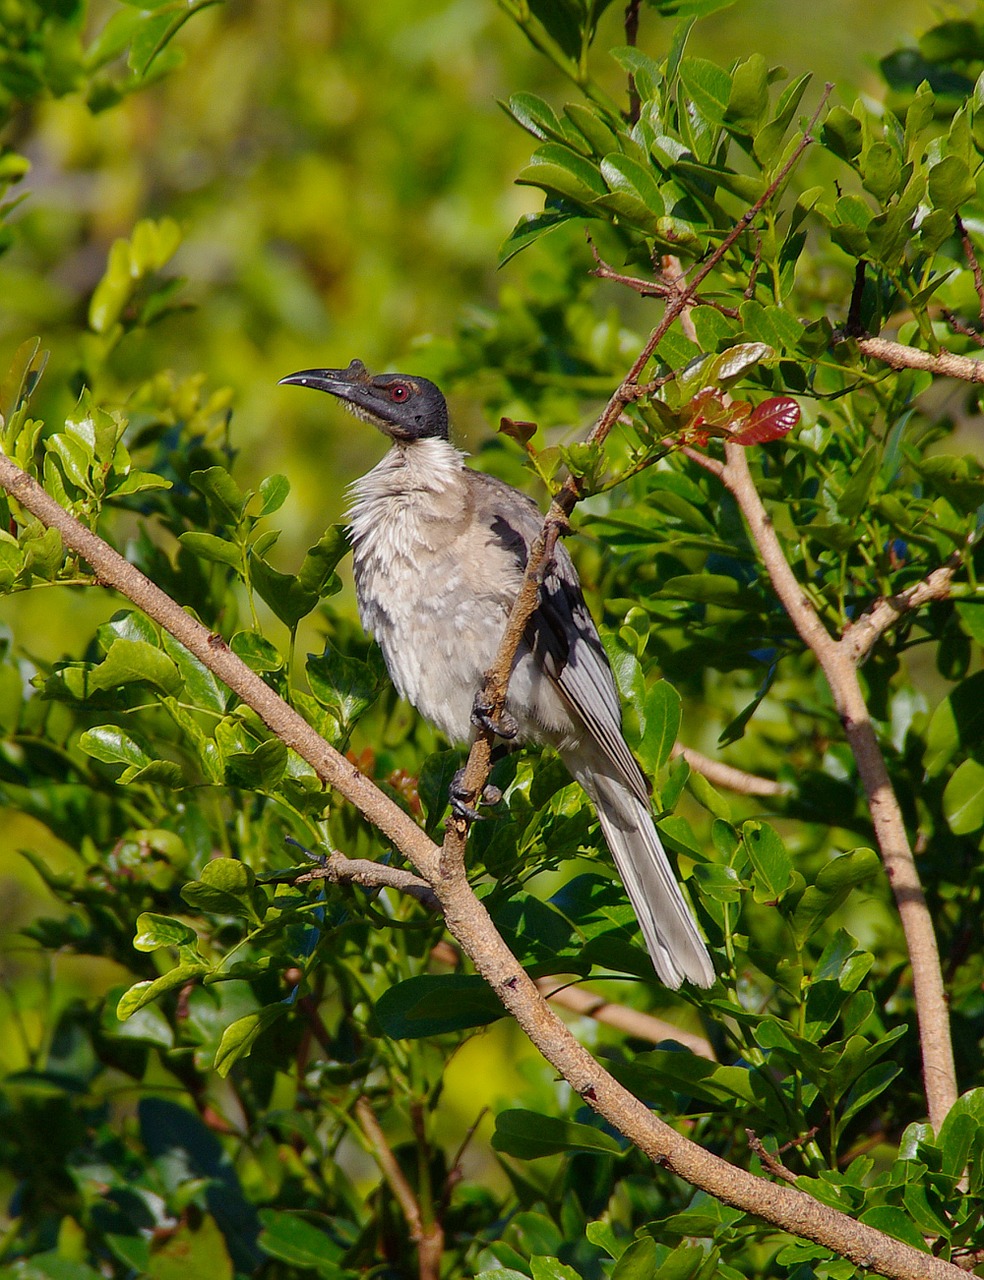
(401, 406)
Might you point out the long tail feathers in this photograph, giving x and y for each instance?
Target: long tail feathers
(677, 950)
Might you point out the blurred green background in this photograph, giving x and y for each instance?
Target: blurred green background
(343, 175)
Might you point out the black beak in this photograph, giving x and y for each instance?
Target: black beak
(346, 384)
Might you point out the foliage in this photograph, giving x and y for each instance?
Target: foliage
(200, 1113)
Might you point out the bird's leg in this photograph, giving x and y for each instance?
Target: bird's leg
(505, 726)
(460, 798)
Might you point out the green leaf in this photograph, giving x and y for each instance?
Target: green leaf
(842, 133)
(770, 861)
(748, 100)
(528, 1135)
(881, 170)
(563, 172)
(256, 651)
(709, 588)
(290, 1238)
(951, 184)
(273, 494)
(593, 128)
(768, 140)
(257, 770)
(961, 1131)
(210, 547)
(869, 1085)
(708, 86)
(434, 1004)
(155, 931)
(317, 572)
(854, 497)
(226, 501)
(963, 799)
(142, 993)
(634, 191)
(543, 1268)
(112, 746)
(662, 716)
(226, 887)
(289, 599)
(529, 229)
(346, 686)
(536, 117)
(895, 1223)
(240, 1036)
(113, 291)
(831, 889)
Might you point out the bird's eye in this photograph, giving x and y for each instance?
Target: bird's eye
(399, 392)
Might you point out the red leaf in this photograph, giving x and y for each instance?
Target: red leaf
(770, 420)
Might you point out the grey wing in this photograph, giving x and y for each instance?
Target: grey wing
(565, 640)
(561, 632)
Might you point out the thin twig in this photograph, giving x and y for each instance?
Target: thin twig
(774, 1166)
(727, 776)
(469, 922)
(861, 638)
(643, 1026)
(631, 35)
(972, 262)
(854, 328)
(428, 1239)
(651, 288)
(674, 276)
(371, 875)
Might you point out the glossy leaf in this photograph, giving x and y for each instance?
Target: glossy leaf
(527, 1135)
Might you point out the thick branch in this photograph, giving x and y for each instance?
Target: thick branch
(469, 922)
(838, 662)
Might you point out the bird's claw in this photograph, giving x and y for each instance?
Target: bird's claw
(459, 798)
(506, 726)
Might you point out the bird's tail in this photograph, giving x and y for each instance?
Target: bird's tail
(677, 950)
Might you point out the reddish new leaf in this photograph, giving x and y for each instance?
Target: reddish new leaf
(522, 432)
(770, 420)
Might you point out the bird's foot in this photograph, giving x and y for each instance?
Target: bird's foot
(506, 726)
(459, 797)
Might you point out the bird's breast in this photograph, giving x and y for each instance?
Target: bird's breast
(421, 565)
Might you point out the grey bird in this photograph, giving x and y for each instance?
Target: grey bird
(439, 552)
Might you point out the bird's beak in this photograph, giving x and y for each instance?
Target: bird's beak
(347, 384)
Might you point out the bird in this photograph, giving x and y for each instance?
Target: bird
(439, 553)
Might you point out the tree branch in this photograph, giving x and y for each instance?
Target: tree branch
(428, 1239)
(900, 357)
(470, 923)
(864, 635)
(371, 875)
(727, 776)
(838, 662)
(586, 1004)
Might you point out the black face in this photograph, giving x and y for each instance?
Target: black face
(401, 406)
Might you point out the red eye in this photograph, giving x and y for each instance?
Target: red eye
(399, 392)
